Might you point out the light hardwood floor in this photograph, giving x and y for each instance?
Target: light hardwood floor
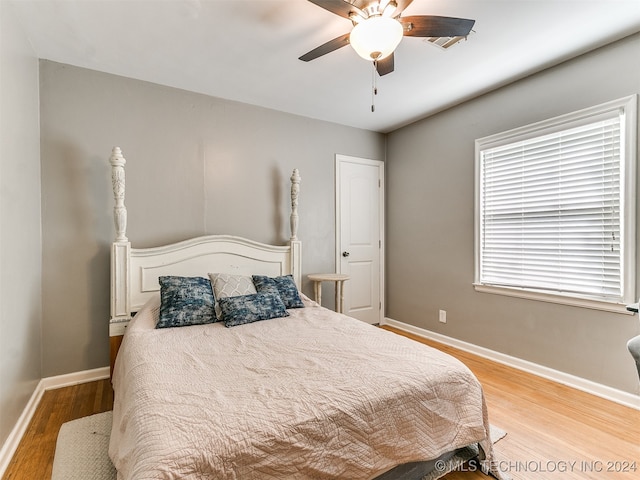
(553, 432)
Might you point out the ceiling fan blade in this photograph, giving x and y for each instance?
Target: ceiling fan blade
(341, 7)
(385, 65)
(325, 48)
(432, 26)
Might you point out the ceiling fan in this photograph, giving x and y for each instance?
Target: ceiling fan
(378, 28)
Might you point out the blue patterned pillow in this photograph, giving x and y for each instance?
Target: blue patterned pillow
(185, 301)
(251, 308)
(283, 286)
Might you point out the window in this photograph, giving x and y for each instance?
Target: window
(555, 209)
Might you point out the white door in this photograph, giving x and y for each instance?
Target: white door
(359, 235)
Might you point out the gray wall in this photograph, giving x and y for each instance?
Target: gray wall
(195, 165)
(430, 221)
(20, 244)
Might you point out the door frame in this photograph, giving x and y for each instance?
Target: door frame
(339, 159)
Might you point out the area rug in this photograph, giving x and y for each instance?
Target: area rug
(82, 449)
(83, 444)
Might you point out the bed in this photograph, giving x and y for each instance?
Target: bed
(303, 393)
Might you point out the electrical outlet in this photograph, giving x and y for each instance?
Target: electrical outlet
(442, 316)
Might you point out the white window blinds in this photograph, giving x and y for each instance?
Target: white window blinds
(551, 209)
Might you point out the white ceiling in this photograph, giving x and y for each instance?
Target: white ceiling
(247, 50)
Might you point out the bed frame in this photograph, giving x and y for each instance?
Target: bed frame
(135, 271)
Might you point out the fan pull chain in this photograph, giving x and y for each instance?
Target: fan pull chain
(374, 91)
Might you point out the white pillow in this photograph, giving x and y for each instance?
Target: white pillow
(227, 285)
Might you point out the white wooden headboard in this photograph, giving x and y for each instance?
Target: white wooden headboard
(135, 271)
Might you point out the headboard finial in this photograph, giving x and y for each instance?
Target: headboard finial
(117, 178)
(295, 190)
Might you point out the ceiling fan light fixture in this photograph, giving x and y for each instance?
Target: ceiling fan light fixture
(376, 37)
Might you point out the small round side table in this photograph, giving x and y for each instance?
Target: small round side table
(337, 278)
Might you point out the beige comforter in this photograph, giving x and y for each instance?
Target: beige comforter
(311, 396)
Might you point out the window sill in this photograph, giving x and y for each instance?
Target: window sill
(573, 301)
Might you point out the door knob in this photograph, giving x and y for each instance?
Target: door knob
(345, 254)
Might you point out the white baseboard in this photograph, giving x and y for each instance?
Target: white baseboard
(579, 383)
(59, 381)
(11, 443)
(13, 440)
